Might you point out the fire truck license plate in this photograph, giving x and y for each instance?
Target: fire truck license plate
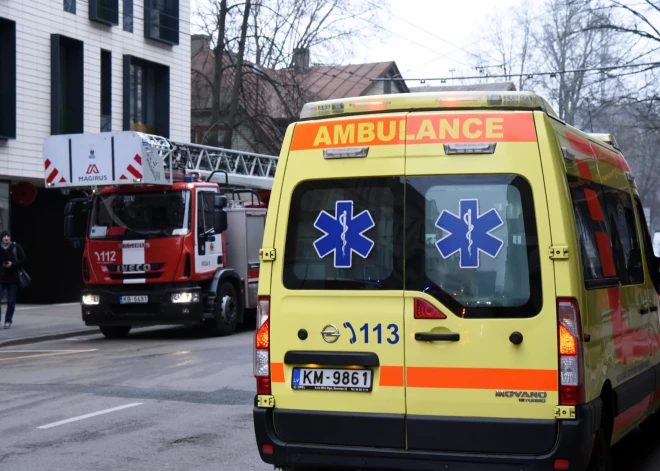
(133, 299)
(332, 379)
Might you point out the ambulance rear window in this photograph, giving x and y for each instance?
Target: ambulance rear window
(345, 234)
(471, 242)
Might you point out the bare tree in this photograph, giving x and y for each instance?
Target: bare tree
(218, 65)
(565, 42)
(638, 19)
(508, 45)
(238, 75)
(255, 40)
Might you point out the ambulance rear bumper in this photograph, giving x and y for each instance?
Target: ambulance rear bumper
(573, 444)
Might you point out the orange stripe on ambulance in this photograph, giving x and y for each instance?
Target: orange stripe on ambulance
(414, 129)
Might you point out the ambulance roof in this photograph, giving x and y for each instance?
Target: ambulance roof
(426, 101)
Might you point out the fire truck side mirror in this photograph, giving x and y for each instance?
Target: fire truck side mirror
(75, 219)
(219, 214)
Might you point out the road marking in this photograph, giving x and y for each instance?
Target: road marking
(48, 351)
(34, 307)
(87, 416)
(39, 355)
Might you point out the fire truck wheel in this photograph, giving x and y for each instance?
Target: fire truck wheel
(226, 311)
(115, 331)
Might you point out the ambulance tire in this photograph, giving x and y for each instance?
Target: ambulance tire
(601, 455)
(115, 331)
(227, 311)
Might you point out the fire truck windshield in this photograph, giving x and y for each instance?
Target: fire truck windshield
(140, 215)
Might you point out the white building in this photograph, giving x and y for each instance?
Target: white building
(87, 66)
(71, 66)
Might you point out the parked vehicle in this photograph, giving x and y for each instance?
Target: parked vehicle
(453, 281)
(162, 244)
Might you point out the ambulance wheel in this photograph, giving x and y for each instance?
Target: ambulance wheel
(226, 311)
(115, 331)
(601, 454)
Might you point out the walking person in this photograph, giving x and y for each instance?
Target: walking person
(12, 257)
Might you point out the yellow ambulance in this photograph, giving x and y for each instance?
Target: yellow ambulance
(452, 282)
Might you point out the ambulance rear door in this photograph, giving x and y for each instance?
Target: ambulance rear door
(336, 312)
(480, 307)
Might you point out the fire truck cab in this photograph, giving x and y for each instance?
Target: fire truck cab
(161, 244)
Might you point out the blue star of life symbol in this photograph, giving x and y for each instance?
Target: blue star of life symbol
(469, 233)
(344, 234)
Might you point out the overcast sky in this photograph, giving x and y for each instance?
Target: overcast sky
(428, 37)
(431, 37)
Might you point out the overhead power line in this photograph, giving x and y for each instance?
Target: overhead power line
(429, 33)
(527, 74)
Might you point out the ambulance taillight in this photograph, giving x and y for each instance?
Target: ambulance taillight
(571, 359)
(262, 346)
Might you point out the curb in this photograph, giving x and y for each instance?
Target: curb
(46, 337)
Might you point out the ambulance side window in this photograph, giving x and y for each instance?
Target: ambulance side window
(588, 204)
(652, 262)
(623, 235)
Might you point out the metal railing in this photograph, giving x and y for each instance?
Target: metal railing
(244, 169)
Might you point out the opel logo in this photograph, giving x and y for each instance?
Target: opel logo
(330, 333)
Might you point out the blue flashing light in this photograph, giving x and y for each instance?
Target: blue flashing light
(187, 178)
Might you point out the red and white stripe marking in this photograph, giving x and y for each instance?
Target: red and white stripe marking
(134, 169)
(53, 173)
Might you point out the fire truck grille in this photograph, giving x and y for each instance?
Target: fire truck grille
(135, 276)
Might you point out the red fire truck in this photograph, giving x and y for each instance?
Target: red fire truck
(163, 244)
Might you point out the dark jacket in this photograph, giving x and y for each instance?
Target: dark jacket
(14, 254)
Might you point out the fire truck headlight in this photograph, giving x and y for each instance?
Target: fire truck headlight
(185, 297)
(90, 299)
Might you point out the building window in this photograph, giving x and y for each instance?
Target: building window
(128, 15)
(7, 79)
(70, 6)
(104, 11)
(5, 205)
(146, 97)
(106, 91)
(161, 20)
(66, 107)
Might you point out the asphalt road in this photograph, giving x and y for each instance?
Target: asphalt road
(163, 399)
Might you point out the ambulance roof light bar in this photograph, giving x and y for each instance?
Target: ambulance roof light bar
(426, 101)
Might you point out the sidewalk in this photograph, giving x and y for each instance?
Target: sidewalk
(37, 323)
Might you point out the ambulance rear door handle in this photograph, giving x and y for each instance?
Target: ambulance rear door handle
(654, 308)
(427, 336)
(643, 310)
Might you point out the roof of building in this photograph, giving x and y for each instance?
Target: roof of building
(476, 87)
(341, 81)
